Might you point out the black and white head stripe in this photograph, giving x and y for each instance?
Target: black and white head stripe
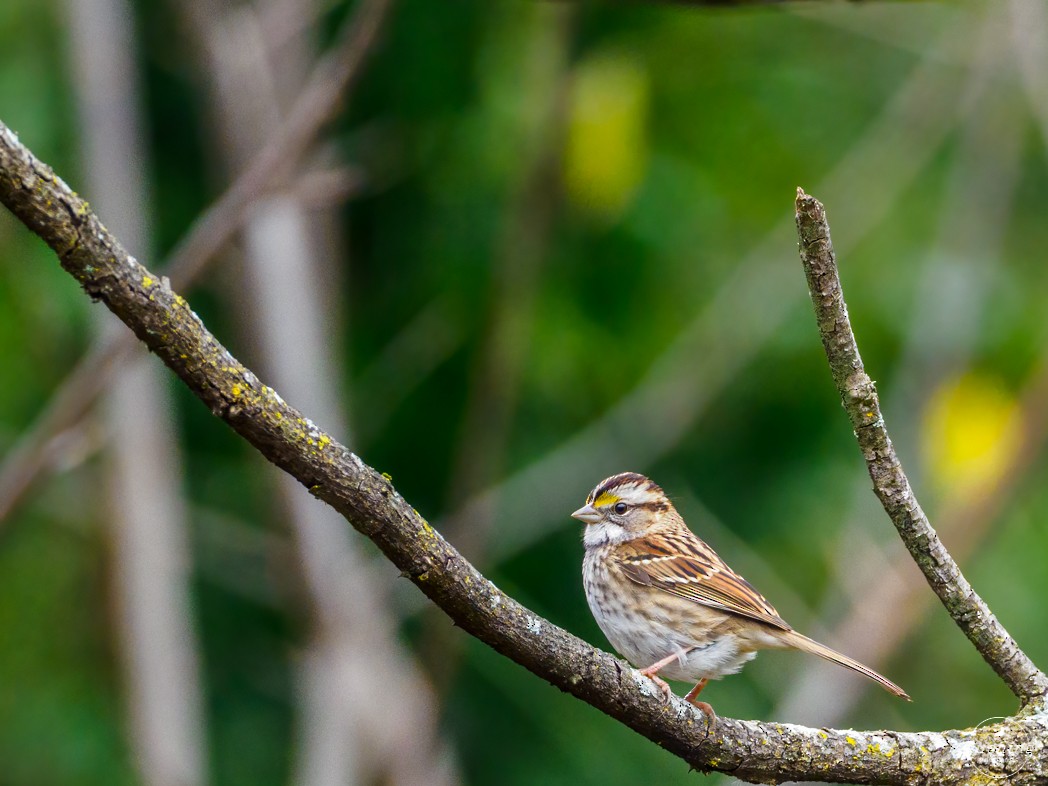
(630, 487)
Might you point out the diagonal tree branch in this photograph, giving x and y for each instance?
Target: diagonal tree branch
(767, 752)
(859, 396)
(325, 93)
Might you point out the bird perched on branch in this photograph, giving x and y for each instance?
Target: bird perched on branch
(668, 603)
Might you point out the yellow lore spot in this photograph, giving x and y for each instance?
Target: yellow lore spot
(607, 498)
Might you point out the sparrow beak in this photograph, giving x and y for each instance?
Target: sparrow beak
(587, 515)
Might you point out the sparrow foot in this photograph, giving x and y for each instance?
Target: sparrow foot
(667, 691)
(706, 709)
(693, 699)
(652, 671)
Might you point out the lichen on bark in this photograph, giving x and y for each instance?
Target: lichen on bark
(1010, 751)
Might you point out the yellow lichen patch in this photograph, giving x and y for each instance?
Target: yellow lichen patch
(236, 391)
(850, 740)
(875, 747)
(147, 281)
(325, 440)
(387, 476)
(607, 498)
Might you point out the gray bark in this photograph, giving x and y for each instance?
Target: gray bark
(1011, 751)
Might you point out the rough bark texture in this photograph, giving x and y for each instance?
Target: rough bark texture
(859, 396)
(329, 85)
(1012, 751)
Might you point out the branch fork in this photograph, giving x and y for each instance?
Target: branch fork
(1010, 751)
(859, 397)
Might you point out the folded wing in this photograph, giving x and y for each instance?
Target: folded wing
(690, 569)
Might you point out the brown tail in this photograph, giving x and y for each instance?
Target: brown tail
(805, 644)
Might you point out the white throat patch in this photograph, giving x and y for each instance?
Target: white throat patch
(603, 533)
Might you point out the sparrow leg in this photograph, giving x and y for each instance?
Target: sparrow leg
(702, 705)
(651, 672)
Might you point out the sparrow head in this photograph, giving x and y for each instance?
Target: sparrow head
(621, 508)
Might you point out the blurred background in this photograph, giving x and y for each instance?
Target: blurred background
(503, 250)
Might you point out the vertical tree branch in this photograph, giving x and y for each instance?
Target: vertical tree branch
(339, 738)
(859, 396)
(146, 520)
(968, 250)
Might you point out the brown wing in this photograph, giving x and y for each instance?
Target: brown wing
(685, 566)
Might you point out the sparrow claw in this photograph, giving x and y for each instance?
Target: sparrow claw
(667, 692)
(706, 709)
(693, 699)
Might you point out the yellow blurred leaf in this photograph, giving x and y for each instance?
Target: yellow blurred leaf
(970, 435)
(606, 147)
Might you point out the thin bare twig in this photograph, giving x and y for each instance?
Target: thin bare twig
(1015, 749)
(895, 148)
(953, 279)
(860, 400)
(319, 103)
(966, 524)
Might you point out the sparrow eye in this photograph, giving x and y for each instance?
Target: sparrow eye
(621, 507)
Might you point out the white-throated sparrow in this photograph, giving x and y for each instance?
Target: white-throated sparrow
(667, 602)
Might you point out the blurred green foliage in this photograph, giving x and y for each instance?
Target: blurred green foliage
(677, 136)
